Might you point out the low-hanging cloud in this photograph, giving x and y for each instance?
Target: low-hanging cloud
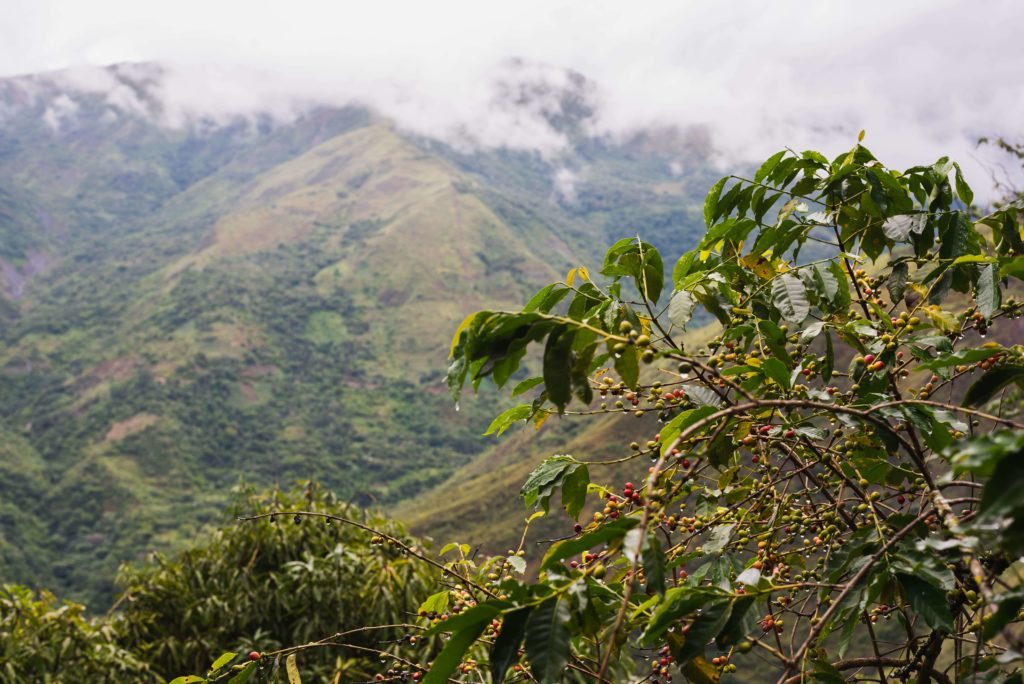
(923, 78)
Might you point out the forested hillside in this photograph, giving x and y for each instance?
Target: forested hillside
(184, 307)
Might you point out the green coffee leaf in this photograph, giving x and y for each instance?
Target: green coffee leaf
(790, 298)
(987, 293)
(680, 308)
(928, 601)
(451, 655)
(547, 640)
(711, 202)
(505, 651)
(994, 379)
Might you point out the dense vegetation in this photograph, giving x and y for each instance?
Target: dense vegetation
(831, 491)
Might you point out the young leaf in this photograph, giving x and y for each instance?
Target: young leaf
(244, 675)
(677, 603)
(743, 618)
(627, 366)
(704, 628)
(830, 359)
(223, 660)
(965, 356)
(700, 671)
(652, 272)
(842, 298)
(436, 603)
(541, 482)
(526, 385)
(574, 490)
(981, 454)
(683, 420)
(776, 370)
(458, 332)
(547, 298)
(507, 418)
(719, 538)
(1009, 604)
(486, 611)
(547, 640)
(653, 557)
(768, 166)
(963, 190)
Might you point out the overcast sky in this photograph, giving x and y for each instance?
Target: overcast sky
(923, 78)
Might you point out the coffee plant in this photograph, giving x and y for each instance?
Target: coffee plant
(831, 489)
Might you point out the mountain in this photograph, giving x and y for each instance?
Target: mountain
(187, 305)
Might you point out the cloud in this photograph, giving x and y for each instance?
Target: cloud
(62, 109)
(565, 181)
(923, 78)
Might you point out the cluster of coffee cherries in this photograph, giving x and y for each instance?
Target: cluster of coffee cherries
(634, 338)
(395, 675)
(988, 363)
(660, 666)
(461, 600)
(869, 286)
(881, 611)
(657, 396)
(769, 622)
(616, 505)
(723, 664)
(870, 362)
(979, 323)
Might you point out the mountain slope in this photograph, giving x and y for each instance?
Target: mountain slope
(188, 307)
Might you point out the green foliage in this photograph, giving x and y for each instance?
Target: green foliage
(45, 640)
(273, 582)
(804, 469)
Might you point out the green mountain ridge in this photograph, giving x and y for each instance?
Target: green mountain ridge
(184, 308)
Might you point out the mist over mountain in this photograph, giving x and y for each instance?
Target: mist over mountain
(191, 302)
(923, 79)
